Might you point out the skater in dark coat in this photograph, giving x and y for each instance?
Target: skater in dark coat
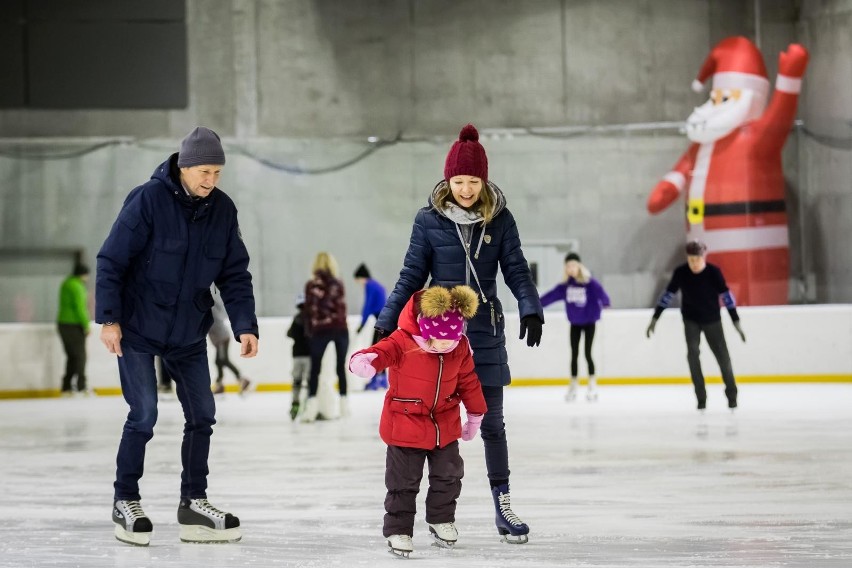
(701, 285)
(175, 236)
(433, 371)
(464, 236)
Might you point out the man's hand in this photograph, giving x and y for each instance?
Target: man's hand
(248, 345)
(739, 330)
(111, 337)
(531, 327)
(651, 326)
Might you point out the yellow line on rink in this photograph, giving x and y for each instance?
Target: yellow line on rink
(516, 382)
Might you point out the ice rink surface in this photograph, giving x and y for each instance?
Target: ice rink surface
(638, 479)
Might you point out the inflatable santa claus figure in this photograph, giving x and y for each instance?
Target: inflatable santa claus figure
(732, 175)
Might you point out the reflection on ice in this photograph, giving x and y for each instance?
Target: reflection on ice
(639, 478)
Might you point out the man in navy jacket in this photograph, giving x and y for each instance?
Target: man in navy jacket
(175, 235)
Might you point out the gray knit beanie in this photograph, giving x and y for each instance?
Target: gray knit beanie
(201, 147)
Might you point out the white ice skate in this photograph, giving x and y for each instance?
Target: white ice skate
(311, 409)
(571, 395)
(445, 535)
(400, 545)
(344, 407)
(132, 525)
(202, 522)
(592, 391)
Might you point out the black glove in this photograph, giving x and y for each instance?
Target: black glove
(531, 327)
(739, 330)
(651, 327)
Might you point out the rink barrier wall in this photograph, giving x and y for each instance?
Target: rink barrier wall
(784, 344)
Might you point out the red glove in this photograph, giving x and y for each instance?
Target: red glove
(792, 63)
(662, 196)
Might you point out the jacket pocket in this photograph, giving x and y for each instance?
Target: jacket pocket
(203, 300)
(165, 270)
(212, 262)
(410, 406)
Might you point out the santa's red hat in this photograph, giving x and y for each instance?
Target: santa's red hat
(735, 63)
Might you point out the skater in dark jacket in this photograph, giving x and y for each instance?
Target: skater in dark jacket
(175, 235)
(433, 371)
(464, 236)
(701, 285)
(584, 298)
(301, 356)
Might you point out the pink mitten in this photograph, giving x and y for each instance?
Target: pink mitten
(471, 427)
(360, 364)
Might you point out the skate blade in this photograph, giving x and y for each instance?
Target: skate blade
(136, 539)
(399, 553)
(202, 534)
(516, 539)
(438, 542)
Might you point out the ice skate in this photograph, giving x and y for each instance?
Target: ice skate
(311, 409)
(132, 525)
(400, 545)
(244, 385)
(202, 522)
(218, 388)
(571, 394)
(511, 528)
(344, 407)
(445, 535)
(294, 410)
(592, 391)
(702, 405)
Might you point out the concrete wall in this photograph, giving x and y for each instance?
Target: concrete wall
(303, 83)
(826, 150)
(775, 351)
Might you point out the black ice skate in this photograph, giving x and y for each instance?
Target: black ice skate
(131, 524)
(445, 535)
(510, 527)
(400, 545)
(202, 522)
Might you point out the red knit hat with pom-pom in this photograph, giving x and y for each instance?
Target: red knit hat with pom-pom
(467, 156)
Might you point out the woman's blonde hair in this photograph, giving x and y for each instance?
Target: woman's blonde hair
(584, 275)
(325, 262)
(485, 205)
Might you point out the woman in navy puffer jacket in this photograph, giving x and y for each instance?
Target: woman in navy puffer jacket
(462, 237)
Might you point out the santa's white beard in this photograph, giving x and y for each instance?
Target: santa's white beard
(710, 122)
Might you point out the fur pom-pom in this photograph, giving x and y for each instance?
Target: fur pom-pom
(469, 133)
(435, 301)
(466, 300)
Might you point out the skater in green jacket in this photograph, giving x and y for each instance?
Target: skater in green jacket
(73, 323)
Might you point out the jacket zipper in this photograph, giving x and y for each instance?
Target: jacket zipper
(467, 271)
(435, 403)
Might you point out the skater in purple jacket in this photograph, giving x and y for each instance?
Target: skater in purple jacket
(584, 298)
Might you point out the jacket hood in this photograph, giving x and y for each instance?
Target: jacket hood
(408, 315)
(460, 215)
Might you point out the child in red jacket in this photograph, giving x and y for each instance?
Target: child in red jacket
(433, 372)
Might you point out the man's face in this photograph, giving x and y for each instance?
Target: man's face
(200, 180)
(696, 263)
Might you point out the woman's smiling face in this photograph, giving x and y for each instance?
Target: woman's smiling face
(466, 190)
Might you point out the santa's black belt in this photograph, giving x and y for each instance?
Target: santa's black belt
(744, 207)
